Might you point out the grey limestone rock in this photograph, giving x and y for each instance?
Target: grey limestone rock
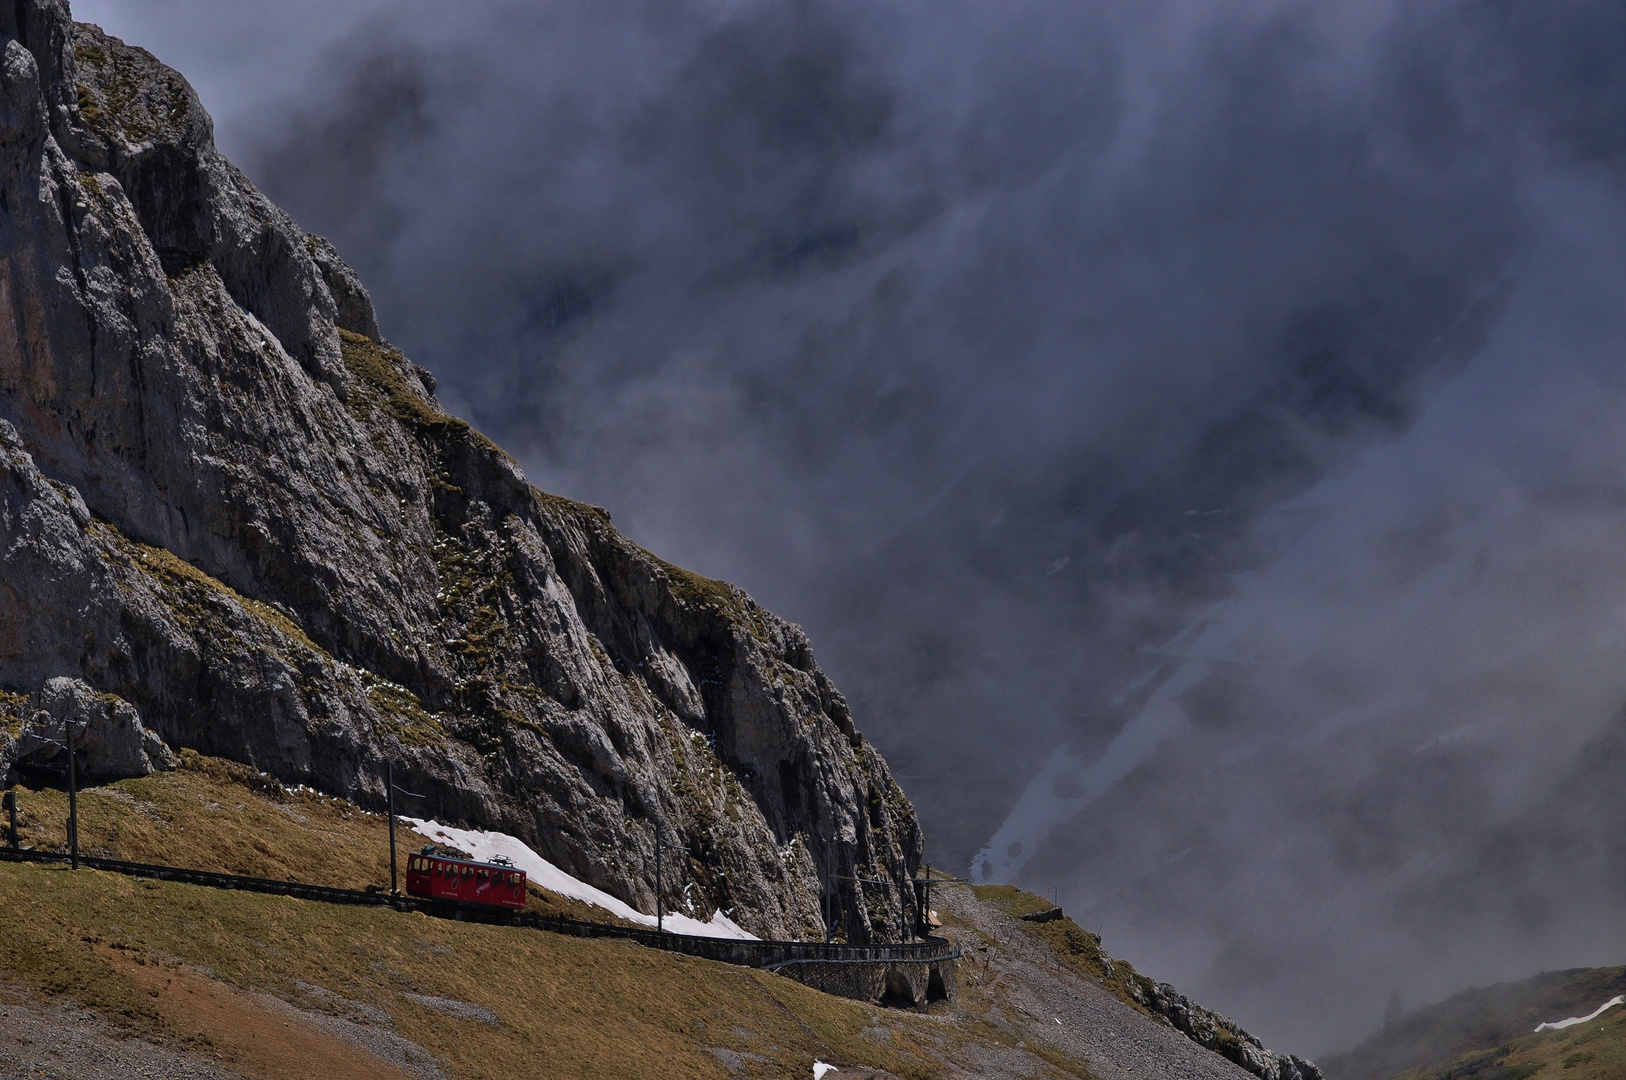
(106, 729)
(1223, 1035)
(227, 501)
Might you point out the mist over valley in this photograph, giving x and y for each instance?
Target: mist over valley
(1188, 432)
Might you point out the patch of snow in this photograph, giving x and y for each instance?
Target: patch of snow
(484, 845)
(1067, 784)
(1593, 1015)
(1448, 738)
(1387, 706)
(1136, 685)
(820, 1068)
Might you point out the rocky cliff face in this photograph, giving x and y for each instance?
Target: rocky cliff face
(227, 504)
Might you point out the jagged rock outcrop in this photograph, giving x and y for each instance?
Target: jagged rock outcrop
(106, 729)
(228, 502)
(1221, 1034)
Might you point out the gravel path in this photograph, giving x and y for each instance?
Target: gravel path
(1066, 1008)
(60, 1042)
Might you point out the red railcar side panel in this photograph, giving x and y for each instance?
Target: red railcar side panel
(472, 882)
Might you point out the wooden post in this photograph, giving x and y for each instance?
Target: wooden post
(11, 812)
(660, 888)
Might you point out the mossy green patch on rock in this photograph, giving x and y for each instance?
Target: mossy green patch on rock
(192, 595)
(14, 711)
(689, 587)
(124, 92)
(383, 386)
(472, 582)
(401, 714)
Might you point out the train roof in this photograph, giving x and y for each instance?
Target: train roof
(501, 862)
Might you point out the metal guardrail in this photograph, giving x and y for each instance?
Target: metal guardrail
(769, 955)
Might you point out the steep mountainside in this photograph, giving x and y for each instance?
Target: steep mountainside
(233, 514)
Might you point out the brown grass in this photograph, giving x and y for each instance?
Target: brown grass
(248, 1030)
(565, 1006)
(218, 815)
(385, 386)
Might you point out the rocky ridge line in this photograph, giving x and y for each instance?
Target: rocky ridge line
(1157, 1000)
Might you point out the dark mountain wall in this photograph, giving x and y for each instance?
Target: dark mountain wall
(225, 500)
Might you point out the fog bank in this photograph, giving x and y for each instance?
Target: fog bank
(1205, 408)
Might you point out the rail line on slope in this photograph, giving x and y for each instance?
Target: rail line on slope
(768, 955)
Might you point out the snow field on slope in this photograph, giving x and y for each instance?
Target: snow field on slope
(1560, 1025)
(484, 845)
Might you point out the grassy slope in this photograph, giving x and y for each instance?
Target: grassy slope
(1595, 1051)
(1487, 1033)
(567, 1007)
(1072, 944)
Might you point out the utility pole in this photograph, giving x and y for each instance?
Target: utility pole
(903, 910)
(827, 898)
(73, 800)
(389, 800)
(660, 887)
(390, 792)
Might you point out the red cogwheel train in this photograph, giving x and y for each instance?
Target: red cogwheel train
(449, 874)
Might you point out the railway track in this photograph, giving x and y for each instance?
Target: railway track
(770, 955)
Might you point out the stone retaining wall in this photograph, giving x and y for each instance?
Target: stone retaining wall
(901, 983)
